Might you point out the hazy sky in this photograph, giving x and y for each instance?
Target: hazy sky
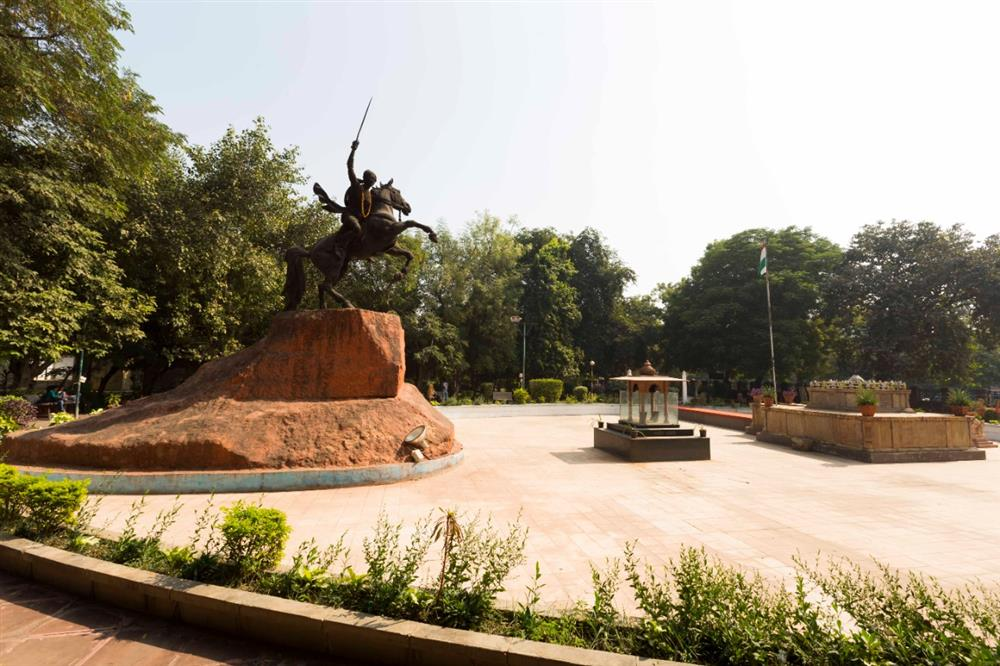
(664, 125)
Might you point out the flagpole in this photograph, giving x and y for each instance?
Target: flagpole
(770, 327)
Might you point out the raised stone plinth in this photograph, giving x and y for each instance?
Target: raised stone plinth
(890, 401)
(880, 438)
(324, 389)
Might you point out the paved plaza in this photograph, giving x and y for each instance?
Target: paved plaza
(754, 505)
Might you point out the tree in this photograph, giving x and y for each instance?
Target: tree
(986, 289)
(637, 334)
(549, 305)
(600, 280)
(905, 297)
(74, 131)
(206, 237)
(716, 319)
(492, 279)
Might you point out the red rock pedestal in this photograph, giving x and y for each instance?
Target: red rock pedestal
(324, 388)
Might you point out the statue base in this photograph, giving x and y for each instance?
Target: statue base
(323, 389)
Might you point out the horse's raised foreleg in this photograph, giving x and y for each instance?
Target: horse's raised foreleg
(412, 224)
(397, 251)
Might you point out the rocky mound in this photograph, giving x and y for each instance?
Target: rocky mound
(324, 388)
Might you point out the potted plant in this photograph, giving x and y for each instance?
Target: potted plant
(867, 401)
(768, 395)
(788, 395)
(959, 401)
(756, 394)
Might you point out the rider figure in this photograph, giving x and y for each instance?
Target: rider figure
(358, 197)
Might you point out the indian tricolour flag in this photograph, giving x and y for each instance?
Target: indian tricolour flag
(762, 266)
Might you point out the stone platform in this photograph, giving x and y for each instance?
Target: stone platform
(652, 443)
(883, 438)
(323, 389)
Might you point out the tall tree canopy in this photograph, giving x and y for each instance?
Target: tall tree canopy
(600, 280)
(549, 305)
(905, 297)
(206, 236)
(74, 132)
(716, 319)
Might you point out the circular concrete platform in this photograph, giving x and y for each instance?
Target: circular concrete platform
(243, 481)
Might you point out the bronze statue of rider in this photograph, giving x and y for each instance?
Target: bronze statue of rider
(358, 197)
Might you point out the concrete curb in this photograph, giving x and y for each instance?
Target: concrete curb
(244, 481)
(552, 409)
(339, 633)
(716, 418)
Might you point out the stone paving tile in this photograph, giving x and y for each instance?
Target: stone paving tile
(40, 626)
(755, 505)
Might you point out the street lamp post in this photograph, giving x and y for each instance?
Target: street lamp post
(591, 375)
(517, 319)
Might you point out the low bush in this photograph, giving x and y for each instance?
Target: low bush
(694, 609)
(18, 410)
(991, 415)
(476, 559)
(581, 393)
(7, 424)
(520, 396)
(37, 506)
(253, 538)
(545, 390)
(60, 417)
(486, 390)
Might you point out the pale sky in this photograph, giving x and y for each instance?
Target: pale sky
(665, 125)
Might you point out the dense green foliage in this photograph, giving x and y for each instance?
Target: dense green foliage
(74, 133)
(253, 538)
(545, 390)
(155, 255)
(36, 506)
(17, 410)
(716, 319)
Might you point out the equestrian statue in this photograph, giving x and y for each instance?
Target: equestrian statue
(369, 226)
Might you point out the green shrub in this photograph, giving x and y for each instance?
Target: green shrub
(253, 538)
(387, 586)
(581, 393)
(990, 415)
(13, 496)
(520, 396)
(37, 506)
(53, 505)
(7, 424)
(114, 400)
(476, 559)
(486, 390)
(60, 417)
(18, 410)
(545, 390)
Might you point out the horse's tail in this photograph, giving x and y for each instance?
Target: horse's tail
(295, 277)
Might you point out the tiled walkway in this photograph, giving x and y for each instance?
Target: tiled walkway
(41, 627)
(753, 504)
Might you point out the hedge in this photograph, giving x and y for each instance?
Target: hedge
(545, 390)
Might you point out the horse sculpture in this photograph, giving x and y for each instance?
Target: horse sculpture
(333, 254)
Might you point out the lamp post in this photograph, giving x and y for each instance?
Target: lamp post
(591, 375)
(517, 319)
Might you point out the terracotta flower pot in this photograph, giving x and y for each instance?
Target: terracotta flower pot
(867, 410)
(767, 400)
(789, 396)
(959, 410)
